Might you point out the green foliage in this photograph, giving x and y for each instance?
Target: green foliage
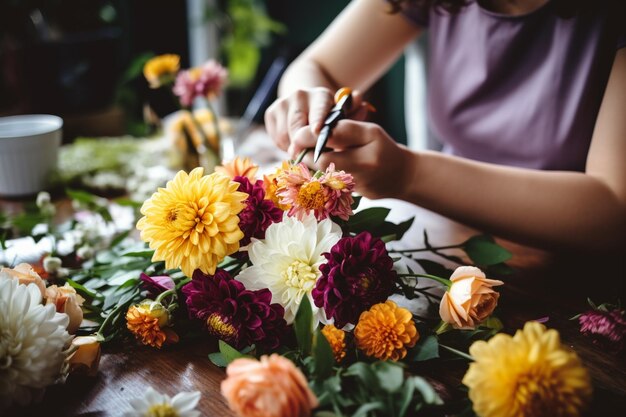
(303, 325)
(484, 251)
(323, 356)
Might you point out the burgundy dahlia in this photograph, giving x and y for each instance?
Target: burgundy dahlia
(606, 328)
(259, 212)
(235, 315)
(358, 274)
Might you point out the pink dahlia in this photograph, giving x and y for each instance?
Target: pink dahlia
(326, 194)
(606, 328)
(259, 212)
(358, 274)
(235, 315)
(205, 81)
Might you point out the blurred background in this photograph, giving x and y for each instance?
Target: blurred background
(83, 60)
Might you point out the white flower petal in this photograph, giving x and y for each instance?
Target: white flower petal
(186, 401)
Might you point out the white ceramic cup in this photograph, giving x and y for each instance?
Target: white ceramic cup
(29, 147)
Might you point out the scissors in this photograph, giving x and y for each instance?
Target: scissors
(343, 103)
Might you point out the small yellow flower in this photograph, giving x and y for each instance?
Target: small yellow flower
(161, 69)
(242, 167)
(192, 223)
(337, 340)
(385, 331)
(528, 375)
(147, 321)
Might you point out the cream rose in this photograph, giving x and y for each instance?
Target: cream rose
(470, 299)
(66, 300)
(86, 357)
(271, 387)
(25, 274)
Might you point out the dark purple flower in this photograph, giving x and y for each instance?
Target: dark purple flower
(237, 316)
(157, 284)
(359, 273)
(606, 328)
(259, 212)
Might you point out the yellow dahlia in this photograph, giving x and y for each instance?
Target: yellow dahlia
(528, 375)
(385, 331)
(337, 340)
(161, 69)
(192, 223)
(239, 167)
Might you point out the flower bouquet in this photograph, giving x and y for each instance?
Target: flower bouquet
(309, 306)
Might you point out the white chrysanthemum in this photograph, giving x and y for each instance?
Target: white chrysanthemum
(287, 261)
(155, 404)
(32, 342)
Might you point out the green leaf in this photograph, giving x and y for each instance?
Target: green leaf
(483, 251)
(365, 373)
(390, 376)
(230, 353)
(356, 201)
(81, 289)
(433, 268)
(426, 349)
(407, 396)
(303, 325)
(428, 392)
(500, 269)
(493, 323)
(365, 409)
(147, 254)
(218, 359)
(323, 356)
(127, 202)
(368, 219)
(82, 196)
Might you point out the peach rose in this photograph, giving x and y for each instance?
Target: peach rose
(25, 274)
(86, 357)
(67, 301)
(470, 299)
(271, 387)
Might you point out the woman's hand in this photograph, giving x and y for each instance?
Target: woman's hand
(308, 108)
(381, 167)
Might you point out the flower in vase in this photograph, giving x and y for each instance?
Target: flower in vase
(193, 222)
(232, 313)
(239, 167)
(288, 260)
(259, 212)
(530, 374)
(205, 81)
(269, 387)
(155, 404)
(324, 194)
(33, 339)
(385, 331)
(359, 273)
(161, 69)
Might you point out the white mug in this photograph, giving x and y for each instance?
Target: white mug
(29, 147)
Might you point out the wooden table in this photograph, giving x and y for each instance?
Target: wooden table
(545, 285)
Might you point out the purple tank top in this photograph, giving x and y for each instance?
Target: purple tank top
(518, 90)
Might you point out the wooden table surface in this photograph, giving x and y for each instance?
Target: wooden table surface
(545, 285)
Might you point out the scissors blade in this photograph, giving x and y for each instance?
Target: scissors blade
(337, 113)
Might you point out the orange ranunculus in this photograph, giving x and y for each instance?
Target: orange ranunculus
(470, 299)
(67, 301)
(271, 387)
(86, 358)
(239, 167)
(25, 274)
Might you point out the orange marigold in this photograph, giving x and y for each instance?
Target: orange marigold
(147, 322)
(385, 331)
(337, 340)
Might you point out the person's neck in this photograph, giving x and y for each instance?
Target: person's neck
(514, 7)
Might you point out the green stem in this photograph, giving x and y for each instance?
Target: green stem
(431, 249)
(457, 352)
(216, 126)
(443, 281)
(109, 319)
(164, 294)
(301, 156)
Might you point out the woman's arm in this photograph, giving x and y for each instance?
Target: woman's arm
(551, 209)
(356, 49)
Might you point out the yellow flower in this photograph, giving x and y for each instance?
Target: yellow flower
(272, 184)
(528, 375)
(161, 69)
(239, 167)
(148, 321)
(192, 223)
(337, 340)
(385, 331)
